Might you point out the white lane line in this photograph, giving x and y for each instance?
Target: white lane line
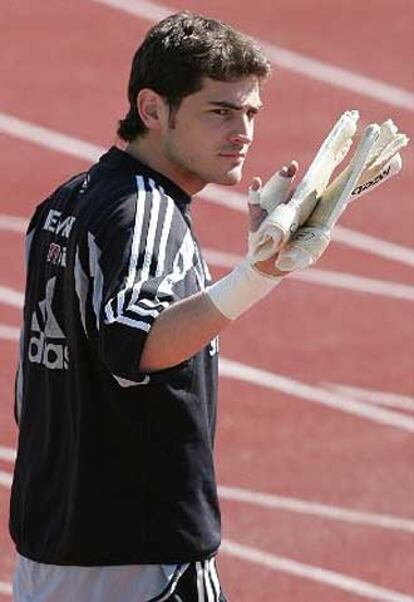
(331, 278)
(13, 223)
(6, 588)
(9, 333)
(266, 500)
(8, 454)
(276, 382)
(10, 296)
(361, 588)
(292, 61)
(49, 138)
(316, 276)
(272, 501)
(141, 8)
(352, 238)
(6, 479)
(220, 195)
(339, 77)
(365, 242)
(362, 284)
(394, 400)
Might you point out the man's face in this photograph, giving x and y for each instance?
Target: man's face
(208, 137)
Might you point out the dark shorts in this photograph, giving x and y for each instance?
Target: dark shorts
(199, 583)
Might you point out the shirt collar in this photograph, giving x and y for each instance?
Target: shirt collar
(119, 159)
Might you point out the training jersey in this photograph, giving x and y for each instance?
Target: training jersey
(114, 466)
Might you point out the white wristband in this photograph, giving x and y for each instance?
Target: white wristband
(239, 290)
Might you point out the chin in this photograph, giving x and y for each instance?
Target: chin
(230, 178)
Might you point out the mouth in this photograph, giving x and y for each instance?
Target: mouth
(234, 157)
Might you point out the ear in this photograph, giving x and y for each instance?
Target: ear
(151, 108)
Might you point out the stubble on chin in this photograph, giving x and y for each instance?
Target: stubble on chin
(231, 178)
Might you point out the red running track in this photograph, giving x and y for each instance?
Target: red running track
(64, 66)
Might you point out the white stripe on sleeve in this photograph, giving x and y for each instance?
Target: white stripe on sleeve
(200, 582)
(209, 589)
(166, 227)
(149, 246)
(136, 238)
(133, 323)
(97, 275)
(136, 241)
(214, 578)
(150, 243)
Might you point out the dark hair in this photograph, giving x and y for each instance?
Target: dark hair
(178, 53)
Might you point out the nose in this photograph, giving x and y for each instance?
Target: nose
(243, 130)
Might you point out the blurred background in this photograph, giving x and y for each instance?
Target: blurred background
(315, 451)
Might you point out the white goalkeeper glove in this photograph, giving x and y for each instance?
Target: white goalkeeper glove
(285, 216)
(375, 161)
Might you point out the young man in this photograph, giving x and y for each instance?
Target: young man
(114, 494)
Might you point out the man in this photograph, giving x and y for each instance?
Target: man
(114, 495)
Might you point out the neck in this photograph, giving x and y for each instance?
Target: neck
(151, 154)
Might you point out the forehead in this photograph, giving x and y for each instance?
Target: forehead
(243, 92)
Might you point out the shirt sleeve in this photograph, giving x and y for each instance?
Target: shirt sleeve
(143, 260)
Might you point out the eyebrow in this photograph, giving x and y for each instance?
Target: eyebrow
(230, 105)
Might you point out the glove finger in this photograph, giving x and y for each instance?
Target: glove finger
(272, 233)
(384, 161)
(331, 152)
(304, 248)
(388, 133)
(333, 202)
(269, 232)
(392, 148)
(276, 188)
(292, 169)
(255, 211)
(262, 247)
(373, 178)
(253, 193)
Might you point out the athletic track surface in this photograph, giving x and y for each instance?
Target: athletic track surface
(315, 450)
